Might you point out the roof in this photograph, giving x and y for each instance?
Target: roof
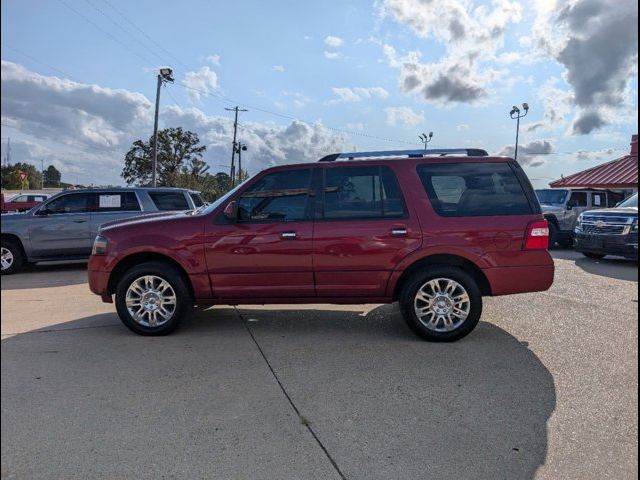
(619, 173)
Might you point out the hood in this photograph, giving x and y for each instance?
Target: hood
(143, 219)
(552, 208)
(15, 216)
(631, 211)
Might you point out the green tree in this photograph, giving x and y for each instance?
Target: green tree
(178, 150)
(11, 177)
(52, 177)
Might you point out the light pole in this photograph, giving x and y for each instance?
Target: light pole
(42, 175)
(240, 147)
(424, 138)
(163, 77)
(515, 114)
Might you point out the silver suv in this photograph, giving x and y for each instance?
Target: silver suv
(64, 226)
(562, 207)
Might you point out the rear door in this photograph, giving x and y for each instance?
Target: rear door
(62, 226)
(112, 206)
(363, 229)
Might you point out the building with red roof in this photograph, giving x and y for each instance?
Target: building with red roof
(619, 174)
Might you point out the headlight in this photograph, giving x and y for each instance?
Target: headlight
(579, 222)
(100, 246)
(634, 226)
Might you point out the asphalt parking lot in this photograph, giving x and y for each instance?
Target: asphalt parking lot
(544, 388)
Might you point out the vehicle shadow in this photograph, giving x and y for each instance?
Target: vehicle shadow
(383, 403)
(49, 275)
(612, 267)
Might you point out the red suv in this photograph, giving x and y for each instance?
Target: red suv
(435, 230)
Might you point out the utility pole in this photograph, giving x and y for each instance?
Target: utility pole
(163, 77)
(234, 146)
(42, 175)
(515, 114)
(8, 157)
(241, 147)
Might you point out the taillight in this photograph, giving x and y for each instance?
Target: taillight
(537, 237)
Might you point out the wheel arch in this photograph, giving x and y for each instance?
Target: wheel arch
(143, 257)
(10, 237)
(447, 260)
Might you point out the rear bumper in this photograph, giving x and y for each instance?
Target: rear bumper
(510, 280)
(623, 245)
(99, 279)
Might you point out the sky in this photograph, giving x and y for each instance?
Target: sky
(79, 77)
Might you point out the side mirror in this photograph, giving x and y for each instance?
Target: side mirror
(231, 211)
(43, 212)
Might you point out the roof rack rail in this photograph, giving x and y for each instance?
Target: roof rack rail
(470, 152)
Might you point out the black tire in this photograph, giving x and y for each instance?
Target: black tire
(553, 235)
(594, 256)
(11, 251)
(183, 298)
(418, 280)
(566, 242)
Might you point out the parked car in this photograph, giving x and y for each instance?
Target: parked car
(64, 226)
(22, 202)
(613, 231)
(432, 231)
(562, 207)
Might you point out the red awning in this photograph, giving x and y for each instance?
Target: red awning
(620, 173)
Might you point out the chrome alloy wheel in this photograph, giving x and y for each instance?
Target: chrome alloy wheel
(7, 258)
(151, 301)
(442, 304)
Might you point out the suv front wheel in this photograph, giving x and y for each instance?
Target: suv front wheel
(152, 299)
(442, 304)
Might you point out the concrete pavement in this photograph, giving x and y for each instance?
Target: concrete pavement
(544, 388)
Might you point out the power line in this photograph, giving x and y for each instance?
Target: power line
(157, 44)
(38, 61)
(113, 37)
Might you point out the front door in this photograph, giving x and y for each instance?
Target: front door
(62, 226)
(266, 253)
(363, 229)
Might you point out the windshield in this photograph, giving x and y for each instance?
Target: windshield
(206, 209)
(630, 202)
(550, 195)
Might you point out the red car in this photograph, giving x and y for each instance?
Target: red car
(22, 202)
(434, 230)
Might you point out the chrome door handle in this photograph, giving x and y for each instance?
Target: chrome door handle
(288, 235)
(399, 232)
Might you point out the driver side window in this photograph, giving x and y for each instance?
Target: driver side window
(279, 196)
(71, 203)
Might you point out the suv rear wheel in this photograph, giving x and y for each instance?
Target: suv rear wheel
(153, 298)
(442, 304)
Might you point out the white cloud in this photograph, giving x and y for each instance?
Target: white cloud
(331, 55)
(278, 68)
(200, 82)
(471, 36)
(334, 42)
(532, 153)
(299, 99)
(355, 127)
(597, 43)
(85, 130)
(462, 126)
(214, 60)
(358, 94)
(404, 116)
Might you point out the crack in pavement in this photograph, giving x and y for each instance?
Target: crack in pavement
(303, 420)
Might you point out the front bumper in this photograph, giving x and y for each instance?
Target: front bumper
(623, 245)
(99, 279)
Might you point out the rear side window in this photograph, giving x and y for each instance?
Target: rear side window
(117, 202)
(599, 200)
(578, 199)
(361, 192)
(169, 200)
(280, 196)
(614, 199)
(474, 189)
